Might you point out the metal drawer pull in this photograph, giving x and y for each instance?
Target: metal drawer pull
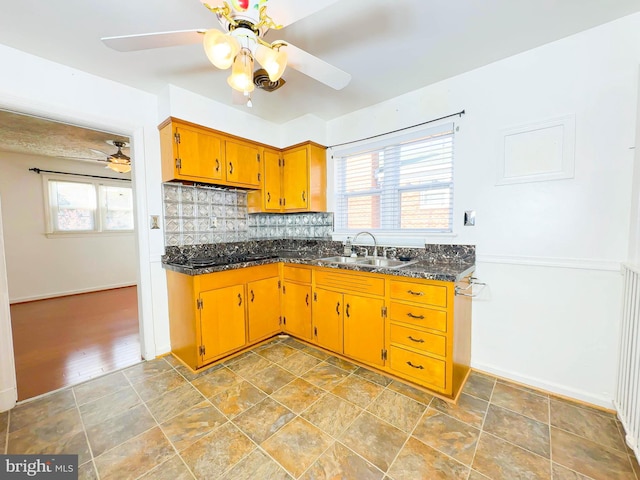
(239, 299)
(268, 197)
(417, 340)
(420, 294)
(338, 308)
(419, 367)
(419, 317)
(306, 300)
(348, 311)
(252, 296)
(304, 198)
(217, 165)
(230, 168)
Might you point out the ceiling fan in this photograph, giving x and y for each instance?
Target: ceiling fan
(244, 24)
(118, 162)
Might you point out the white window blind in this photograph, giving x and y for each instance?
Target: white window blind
(399, 184)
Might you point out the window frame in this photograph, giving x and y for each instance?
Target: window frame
(50, 209)
(387, 231)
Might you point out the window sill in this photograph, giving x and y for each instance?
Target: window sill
(397, 239)
(88, 234)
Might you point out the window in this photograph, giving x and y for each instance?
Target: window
(88, 206)
(397, 185)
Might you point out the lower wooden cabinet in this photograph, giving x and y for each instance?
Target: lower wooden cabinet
(296, 301)
(364, 329)
(263, 308)
(327, 315)
(223, 329)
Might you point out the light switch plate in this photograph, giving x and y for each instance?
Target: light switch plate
(154, 222)
(469, 218)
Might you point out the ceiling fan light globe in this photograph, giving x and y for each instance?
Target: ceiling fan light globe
(241, 77)
(120, 167)
(220, 49)
(272, 60)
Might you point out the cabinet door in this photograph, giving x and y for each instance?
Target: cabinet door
(222, 321)
(364, 329)
(242, 163)
(263, 300)
(199, 154)
(295, 188)
(296, 303)
(327, 319)
(271, 186)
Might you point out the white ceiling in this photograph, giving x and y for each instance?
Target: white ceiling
(389, 47)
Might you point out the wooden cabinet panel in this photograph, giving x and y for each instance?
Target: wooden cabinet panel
(418, 316)
(328, 309)
(364, 328)
(263, 304)
(419, 293)
(242, 163)
(419, 340)
(271, 185)
(296, 274)
(222, 321)
(350, 281)
(426, 370)
(296, 311)
(295, 179)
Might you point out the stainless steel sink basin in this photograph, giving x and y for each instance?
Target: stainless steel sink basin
(370, 262)
(340, 259)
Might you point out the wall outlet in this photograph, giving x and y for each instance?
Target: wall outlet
(154, 222)
(213, 222)
(469, 218)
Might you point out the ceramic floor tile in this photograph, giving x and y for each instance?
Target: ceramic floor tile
(100, 387)
(135, 457)
(87, 472)
(249, 365)
(216, 453)
(635, 465)
(36, 410)
(357, 390)
(299, 363)
(373, 439)
(469, 409)
(411, 392)
(190, 426)
(563, 473)
(298, 395)
(256, 466)
(216, 382)
(116, 430)
(292, 342)
(277, 352)
(343, 364)
(191, 376)
(577, 404)
(172, 469)
(589, 458)
(500, 460)
(339, 462)
(152, 387)
(586, 423)
(521, 401)
(57, 434)
(314, 352)
(174, 402)
(109, 406)
(473, 475)
(325, 376)
(400, 411)
(373, 376)
(263, 420)
(147, 369)
(238, 398)
(479, 385)
(332, 414)
(297, 445)
(271, 379)
(419, 461)
(518, 429)
(448, 435)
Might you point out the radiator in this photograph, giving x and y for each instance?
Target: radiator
(627, 401)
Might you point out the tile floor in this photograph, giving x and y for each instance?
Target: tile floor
(286, 410)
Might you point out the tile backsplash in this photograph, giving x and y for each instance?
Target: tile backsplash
(202, 214)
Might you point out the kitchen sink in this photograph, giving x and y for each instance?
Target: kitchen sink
(369, 262)
(340, 259)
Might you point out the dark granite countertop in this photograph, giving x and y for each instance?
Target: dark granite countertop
(448, 270)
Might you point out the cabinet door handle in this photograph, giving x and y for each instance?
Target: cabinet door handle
(420, 294)
(315, 331)
(268, 197)
(230, 168)
(348, 311)
(239, 299)
(338, 308)
(304, 197)
(417, 340)
(252, 296)
(217, 165)
(307, 300)
(419, 367)
(419, 317)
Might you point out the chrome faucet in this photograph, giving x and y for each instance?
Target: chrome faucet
(375, 242)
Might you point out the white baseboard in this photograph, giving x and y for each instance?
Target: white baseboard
(70, 292)
(162, 350)
(8, 399)
(550, 387)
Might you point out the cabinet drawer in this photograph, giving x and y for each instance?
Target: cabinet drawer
(297, 274)
(350, 281)
(419, 316)
(427, 342)
(420, 367)
(419, 293)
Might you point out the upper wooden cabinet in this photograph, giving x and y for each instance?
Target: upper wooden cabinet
(242, 164)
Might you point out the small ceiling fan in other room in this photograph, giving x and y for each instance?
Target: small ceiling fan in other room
(118, 162)
(241, 42)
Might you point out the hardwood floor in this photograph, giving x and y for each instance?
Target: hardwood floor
(63, 341)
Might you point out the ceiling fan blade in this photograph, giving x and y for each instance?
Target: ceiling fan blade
(145, 41)
(286, 12)
(316, 68)
(99, 152)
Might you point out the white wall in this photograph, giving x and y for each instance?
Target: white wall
(550, 251)
(8, 386)
(41, 267)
